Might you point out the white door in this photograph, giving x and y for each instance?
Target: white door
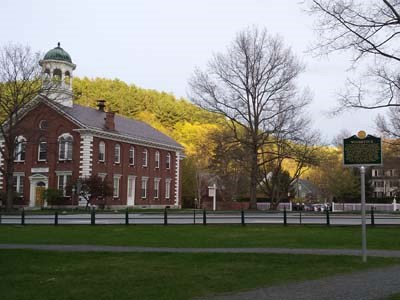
(131, 191)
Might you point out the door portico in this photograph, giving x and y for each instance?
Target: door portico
(38, 183)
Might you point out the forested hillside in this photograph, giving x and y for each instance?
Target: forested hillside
(178, 118)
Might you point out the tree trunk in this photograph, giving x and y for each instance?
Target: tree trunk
(9, 189)
(253, 180)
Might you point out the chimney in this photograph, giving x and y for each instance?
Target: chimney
(101, 104)
(110, 124)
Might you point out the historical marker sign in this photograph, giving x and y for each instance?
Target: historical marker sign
(362, 151)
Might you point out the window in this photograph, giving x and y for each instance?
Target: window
(18, 183)
(19, 151)
(42, 150)
(157, 159)
(168, 161)
(102, 151)
(116, 182)
(143, 190)
(117, 154)
(43, 124)
(167, 188)
(156, 188)
(144, 158)
(65, 147)
(131, 155)
(64, 183)
(57, 75)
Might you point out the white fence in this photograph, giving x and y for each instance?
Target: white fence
(390, 207)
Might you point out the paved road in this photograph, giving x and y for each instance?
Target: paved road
(197, 218)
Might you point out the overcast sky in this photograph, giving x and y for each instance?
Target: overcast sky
(157, 44)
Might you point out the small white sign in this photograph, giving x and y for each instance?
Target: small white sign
(40, 170)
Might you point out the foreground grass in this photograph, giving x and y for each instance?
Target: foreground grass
(205, 236)
(28, 274)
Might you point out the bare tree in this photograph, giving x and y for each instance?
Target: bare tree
(370, 30)
(251, 85)
(294, 146)
(20, 83)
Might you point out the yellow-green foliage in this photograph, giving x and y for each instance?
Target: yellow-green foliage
(188, 124)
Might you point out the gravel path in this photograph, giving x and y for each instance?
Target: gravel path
(367, 285)
(95, 248)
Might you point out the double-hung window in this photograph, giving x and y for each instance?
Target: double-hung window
(19, 150)
(42, 150)
(117, 154)
(64, 182)
(102, 151)
(65, 147)
(131, 155)
(143, 190)
(156, 188)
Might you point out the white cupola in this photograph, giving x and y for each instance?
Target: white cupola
(57, 70)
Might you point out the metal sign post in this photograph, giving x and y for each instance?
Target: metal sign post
(363, 217)
(361, 151)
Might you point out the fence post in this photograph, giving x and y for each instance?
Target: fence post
(194, 216)
(165, 217)
(126, 217)
(204, 217)
(56, 218)
(243, 222)
(23, 217)
(328, 221)
(372, 216)
(284, 216)
(93, 217)
(301, 221)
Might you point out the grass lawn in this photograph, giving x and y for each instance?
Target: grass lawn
(28, 274)
(205, 236)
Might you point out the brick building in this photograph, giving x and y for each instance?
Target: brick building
(59, 142)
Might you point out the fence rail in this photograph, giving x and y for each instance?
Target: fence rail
(198, 217)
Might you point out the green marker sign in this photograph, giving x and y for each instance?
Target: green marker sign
(362, 150)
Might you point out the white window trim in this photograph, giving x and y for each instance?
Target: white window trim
(132, 155)
(38, 158)
(145, 158)
(63, 174)
(157, 188)
(102, 144)
(117, 155)
(18, 183)
(144, 179)
(168, 188)
(118, 178)
(21, 140)
(157, 159)
(168, 161)
(102, 176)
(65, 136)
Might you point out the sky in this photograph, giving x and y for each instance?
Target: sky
(157, 44)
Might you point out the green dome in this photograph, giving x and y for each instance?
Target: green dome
(58, 53)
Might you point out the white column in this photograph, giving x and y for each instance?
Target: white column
(177, 176)
(86, 156)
